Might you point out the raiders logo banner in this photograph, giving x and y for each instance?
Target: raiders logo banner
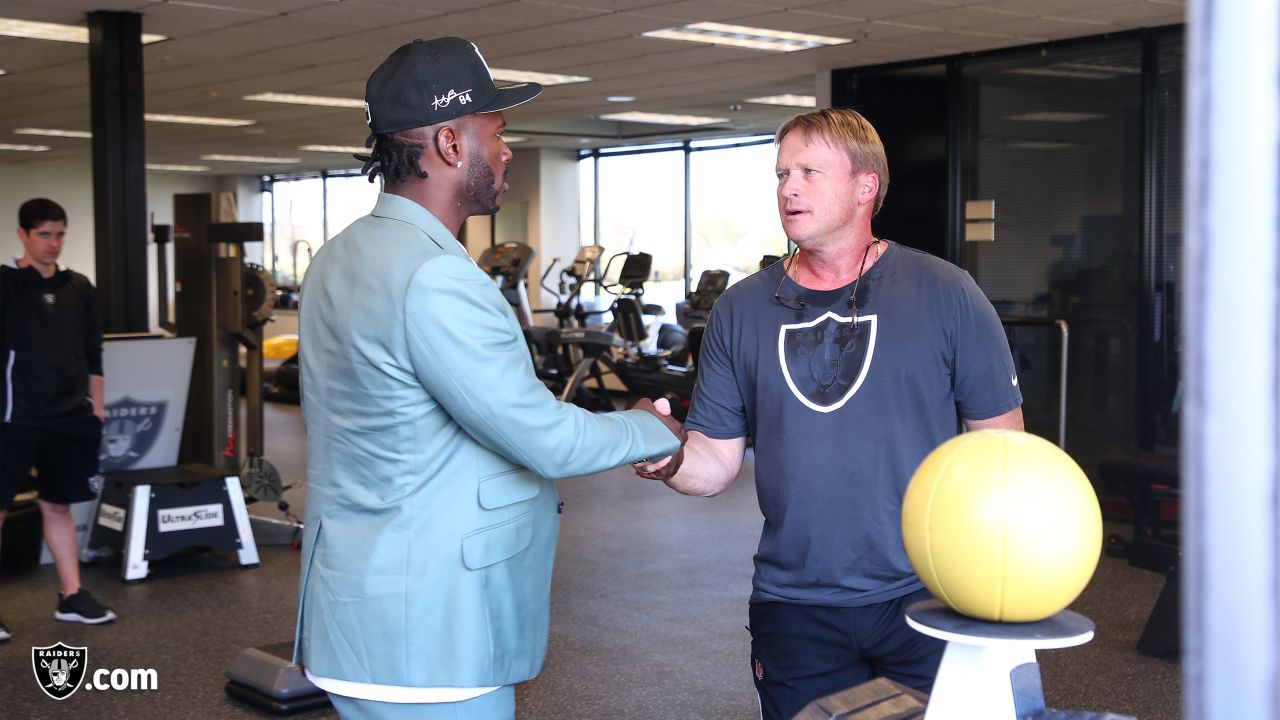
(129, 430)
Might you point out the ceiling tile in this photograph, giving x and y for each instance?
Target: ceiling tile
(69, 12)
(606, 5)
(23, 55)
(1048, 28)
(691, 11)
(506, 45)
(531, 15)
(793, 21)
(618, 24)
(274, 7)
(1045, 7)
(1132, 13)
(578, 58)
(873, 9)
(962, 18)
(346, 18)
(433, 6)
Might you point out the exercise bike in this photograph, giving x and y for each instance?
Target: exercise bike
(648, 366)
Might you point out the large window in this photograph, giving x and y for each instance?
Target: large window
(734, 213)
(297, 227)
(642, 210)
(732, 218)
(301, 213)
(346, 199)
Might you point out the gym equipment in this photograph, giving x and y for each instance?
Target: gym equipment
(664, 371)
(1151, 482)
(989, 669)
(508, 264)
(280, 347)
(1002, 526)
(879, 699)
(148, 515)
(223, 302)
(266, 678)
(696, 310)
(1032, 361)
(20, 536)
(566, 356)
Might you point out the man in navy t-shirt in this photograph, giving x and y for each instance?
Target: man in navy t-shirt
(847, 363)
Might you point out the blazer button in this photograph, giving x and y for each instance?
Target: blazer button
(560, 508)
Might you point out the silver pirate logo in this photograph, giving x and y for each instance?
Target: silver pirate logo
(59, 669)
(825, 360)
(129, 430)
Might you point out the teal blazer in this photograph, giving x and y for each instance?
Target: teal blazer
(431, 512)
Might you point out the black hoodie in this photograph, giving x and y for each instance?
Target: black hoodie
(50, 343)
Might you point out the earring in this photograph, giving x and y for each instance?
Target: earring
(459, 163)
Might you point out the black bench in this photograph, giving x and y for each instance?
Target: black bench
(1151, 483)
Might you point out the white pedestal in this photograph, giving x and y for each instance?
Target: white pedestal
(974, 680)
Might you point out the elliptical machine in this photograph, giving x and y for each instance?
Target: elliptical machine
(556, 351)
(646, 367)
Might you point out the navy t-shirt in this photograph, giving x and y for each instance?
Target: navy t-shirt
(841, 418)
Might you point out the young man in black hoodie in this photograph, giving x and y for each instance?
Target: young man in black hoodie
(51, 405)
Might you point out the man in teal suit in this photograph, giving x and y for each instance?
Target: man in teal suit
(432, 515)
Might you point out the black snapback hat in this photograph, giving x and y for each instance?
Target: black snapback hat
(433, 81)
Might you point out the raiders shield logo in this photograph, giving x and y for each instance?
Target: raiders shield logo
(59, 669)
(128, 432)
(825, 361)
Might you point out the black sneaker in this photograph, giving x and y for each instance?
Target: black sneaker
(82, 608)
(4, 633)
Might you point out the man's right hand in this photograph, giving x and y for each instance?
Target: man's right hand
(667, 467)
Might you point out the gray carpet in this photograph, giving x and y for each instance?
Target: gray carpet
(648, 616)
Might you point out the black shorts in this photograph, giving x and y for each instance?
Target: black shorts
(800, 653)
(64, 454)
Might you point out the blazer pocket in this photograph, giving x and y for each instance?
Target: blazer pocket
(483, 548)
(509, 488)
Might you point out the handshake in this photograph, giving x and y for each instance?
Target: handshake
(665, 468)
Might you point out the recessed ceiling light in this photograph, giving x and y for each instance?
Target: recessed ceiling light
(348, 149)
(621, 98)
(253, 159)
(806, 101)
(319, 100)
(178, 168)
(197, 120)
(56, 31)
(23, 148)
(1054, 116)
(523, 76)
(663, 118)
(746, 37)
(48, 132)
(3, 71)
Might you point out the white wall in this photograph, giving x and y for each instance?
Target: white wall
(556, 212)
(72, 188)
(546, 182)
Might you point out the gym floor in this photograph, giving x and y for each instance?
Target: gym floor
(648, 616)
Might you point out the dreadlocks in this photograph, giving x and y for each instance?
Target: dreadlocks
(393, 155)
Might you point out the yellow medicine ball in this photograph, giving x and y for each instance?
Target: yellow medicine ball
(280, 347)
(1002, 525)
